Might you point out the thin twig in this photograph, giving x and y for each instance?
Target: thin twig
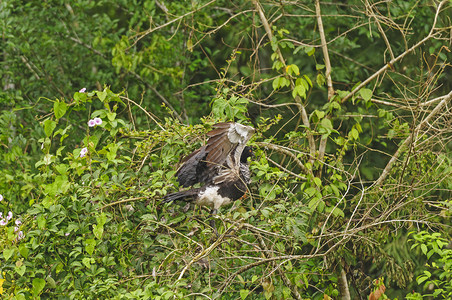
(151, 30)
(207, 251)
(409, 139)
(304, 115)
(286, 152)
(145, 111)
(123, 201)
(398, 58)
(329, 81)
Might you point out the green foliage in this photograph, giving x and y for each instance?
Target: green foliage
(432, 245)
(83, 173)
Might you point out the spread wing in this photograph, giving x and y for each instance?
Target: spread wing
(191, 170)
(222, 151)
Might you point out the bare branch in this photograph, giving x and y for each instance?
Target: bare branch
(304, 115)
(398, 58)
(409, 139)
(329, 81)
(151, 30)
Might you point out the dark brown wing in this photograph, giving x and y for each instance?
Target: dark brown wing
(223, 150)
(191, 170)
(227, 139)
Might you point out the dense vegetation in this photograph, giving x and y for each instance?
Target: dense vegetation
(351, 187)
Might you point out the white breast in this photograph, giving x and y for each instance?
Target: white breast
(211, 198)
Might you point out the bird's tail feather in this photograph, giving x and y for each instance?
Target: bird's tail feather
(187, 196)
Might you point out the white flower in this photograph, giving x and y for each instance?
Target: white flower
(20, 235)
(9, 216)
(82, 90)
(18, 222)
(98, 121)
(83, 152)
(16, 228)
(1, 197)
(3, 222)
(91, 123)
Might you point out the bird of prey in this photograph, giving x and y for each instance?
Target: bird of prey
(220, 166)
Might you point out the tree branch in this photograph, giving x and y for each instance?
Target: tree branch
(398, 58)
(324, 140)
(150, 30)
(409, 139)
(304, 115)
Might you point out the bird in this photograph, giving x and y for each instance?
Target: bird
(221, 168)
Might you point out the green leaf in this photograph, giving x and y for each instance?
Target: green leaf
(294, 69)
(23, 250)
(284, 82)
(276, 83)
(321, 206)
(49, 126)
(320, 79)
(89, 246)
(87, 262)
(326, 123)
(424, 249)
(19, 296)
(101, 219)
(268, 294)
(190, 45)
(80, 97)
(421, 279)
(366, 94)
(41, 220)
(430, 253)
(299, 90)
(111, 116)
(289, 266)
(309, 50)
(317, 181)
(354, 134)
(98, 231)
(59, 109)
(335, 211)
(20, 270)
(102, 95)
(38, 285)
(244, 293)
(7, 253)
(308, 80)
(313, 203)
(297, 49)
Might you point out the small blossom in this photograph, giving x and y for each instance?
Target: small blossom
(83, 152)
(82, 90)
(91, 123)
(16, 228)
(18, 222)
(1, 215)
(98, 121)
(9, 216)
(20, 235)
(1, 196)
(3, 222)
(66, 234)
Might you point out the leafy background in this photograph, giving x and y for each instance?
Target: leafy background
(328, 214)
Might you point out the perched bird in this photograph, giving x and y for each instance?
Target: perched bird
(220, 166)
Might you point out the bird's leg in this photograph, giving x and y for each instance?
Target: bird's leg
(212, 220)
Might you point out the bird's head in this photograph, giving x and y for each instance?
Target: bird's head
(247, 152)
